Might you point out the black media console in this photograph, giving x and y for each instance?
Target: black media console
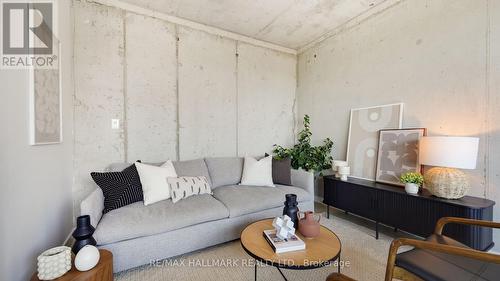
(416, 214)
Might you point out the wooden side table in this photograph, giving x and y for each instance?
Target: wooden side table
(103, 271)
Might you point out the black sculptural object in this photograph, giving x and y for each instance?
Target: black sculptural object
(291, 209)
(83, 233)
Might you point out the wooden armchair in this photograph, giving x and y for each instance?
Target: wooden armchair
(439, 258)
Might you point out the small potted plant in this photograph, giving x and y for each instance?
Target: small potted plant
(412, 182)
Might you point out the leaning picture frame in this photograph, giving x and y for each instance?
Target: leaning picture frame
(398, 154)
(362, 144)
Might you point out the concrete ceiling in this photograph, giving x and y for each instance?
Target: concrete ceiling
(289, 23)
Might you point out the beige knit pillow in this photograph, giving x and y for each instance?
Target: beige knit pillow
(183, 187)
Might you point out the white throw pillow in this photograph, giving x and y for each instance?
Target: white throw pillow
(258, 172)
(183, 187)
(154, 181)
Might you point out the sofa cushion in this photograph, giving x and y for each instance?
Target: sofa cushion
(184, 187)
(154, 181)
(282, 173)
(137, 220)
(225, 170)
(242, 199)
(258, 172)
(431, 265)
(119, 188)
(192, 168)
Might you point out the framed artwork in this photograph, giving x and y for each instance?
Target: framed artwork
(398, 154)
(45, 104)
(364, 127)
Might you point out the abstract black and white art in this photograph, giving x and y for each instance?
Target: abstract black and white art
(398, 154)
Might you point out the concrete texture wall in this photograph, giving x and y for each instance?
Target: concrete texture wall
(438, 57)
(176, 91)
(266, 99)
(207, 95)
(36, 205)
(492, 153)
(99, 91)
(151, 89)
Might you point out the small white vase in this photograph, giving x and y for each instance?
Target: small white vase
(344, 171)
(87, 258)
(411, 188)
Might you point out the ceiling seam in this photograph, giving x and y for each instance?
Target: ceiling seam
(192, 24)
(354, 21)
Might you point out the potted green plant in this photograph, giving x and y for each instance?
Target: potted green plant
(413, 181)
(304, 155)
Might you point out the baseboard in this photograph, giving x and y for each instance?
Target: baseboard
(318, 199)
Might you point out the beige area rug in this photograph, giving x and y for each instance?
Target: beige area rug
(366, 258)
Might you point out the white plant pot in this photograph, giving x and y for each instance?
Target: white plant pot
(411, 188)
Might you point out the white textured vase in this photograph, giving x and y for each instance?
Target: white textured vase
(54, 263)
(87, 258)
(344, 172)
(336, 165)
(411, 188)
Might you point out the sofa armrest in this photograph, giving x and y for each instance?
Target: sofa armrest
(93, 206)
(304, 180)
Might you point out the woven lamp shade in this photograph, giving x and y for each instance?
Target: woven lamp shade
(447, 154)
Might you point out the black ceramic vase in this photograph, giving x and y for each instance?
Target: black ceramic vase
(83, 233)
(291, 209)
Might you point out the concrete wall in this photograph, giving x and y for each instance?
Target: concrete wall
(207, 95)
(36, 205)
(180, 93)
(439, 57)
(265, 103)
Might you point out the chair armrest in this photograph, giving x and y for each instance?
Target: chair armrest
(303, 179)
(448, 249)
(93, 205)
(445, 220)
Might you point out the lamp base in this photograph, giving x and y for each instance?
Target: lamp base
(446, 182)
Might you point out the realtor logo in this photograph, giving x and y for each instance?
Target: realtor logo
(27, 36)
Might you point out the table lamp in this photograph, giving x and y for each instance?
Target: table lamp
(447, 155)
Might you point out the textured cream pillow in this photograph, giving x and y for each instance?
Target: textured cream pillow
(259, 172)
(153, 180)
(184, 187)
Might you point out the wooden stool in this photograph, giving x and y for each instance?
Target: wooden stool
(103, 271)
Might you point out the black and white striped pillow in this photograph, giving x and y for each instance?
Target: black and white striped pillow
(183, 187)
(119, 188)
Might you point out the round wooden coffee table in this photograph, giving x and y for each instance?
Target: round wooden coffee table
(320, 251)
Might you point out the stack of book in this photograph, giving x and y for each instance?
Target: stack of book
(293, 243)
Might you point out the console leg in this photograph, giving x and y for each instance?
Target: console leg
(376, 230)
(327, 211)
(255, 271)
(395, 229)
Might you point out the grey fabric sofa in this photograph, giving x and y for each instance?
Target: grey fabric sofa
(138, 234)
